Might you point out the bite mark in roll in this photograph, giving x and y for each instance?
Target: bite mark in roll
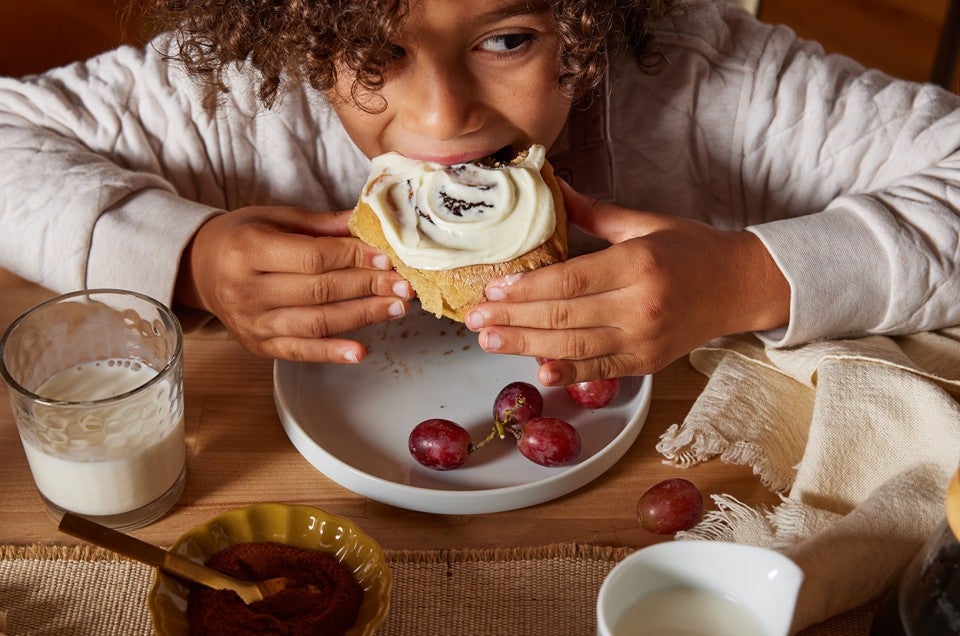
(449, 230)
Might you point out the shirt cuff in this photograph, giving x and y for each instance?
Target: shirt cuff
(137, 243)
(838, 274)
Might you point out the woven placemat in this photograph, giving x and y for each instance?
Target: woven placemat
(549, 591)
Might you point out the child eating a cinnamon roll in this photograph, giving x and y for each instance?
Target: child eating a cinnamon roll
(733, 177)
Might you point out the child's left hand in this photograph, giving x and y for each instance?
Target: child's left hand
(665, 286)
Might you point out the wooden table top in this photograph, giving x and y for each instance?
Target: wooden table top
(238, 454)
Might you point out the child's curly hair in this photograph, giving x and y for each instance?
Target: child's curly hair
(297, 40)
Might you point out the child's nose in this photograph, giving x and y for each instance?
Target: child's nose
(441, 103)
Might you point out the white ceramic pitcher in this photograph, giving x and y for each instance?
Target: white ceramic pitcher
(692, 587)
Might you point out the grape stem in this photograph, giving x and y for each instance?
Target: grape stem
(499, 430)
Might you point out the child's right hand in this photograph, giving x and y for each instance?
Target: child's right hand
(285, 280)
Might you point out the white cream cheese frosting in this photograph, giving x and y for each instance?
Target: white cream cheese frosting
(438, 217)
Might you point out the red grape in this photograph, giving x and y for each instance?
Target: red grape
(670, 506)
(439, 444)
(517, 403)
(549, 441)
(594, 394)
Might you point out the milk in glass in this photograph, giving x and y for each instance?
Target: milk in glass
(115, 457)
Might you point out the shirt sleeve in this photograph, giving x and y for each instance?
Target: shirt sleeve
(859, 174)
(107, 173)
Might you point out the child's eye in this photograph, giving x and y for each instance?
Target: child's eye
(505, 42)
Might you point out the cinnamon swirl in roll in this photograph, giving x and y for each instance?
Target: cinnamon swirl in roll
(449, 230)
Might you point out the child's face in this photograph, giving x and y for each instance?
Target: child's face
(470, 78)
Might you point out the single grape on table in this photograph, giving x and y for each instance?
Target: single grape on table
(670, 506)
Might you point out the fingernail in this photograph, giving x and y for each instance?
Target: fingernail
(548, 377)
(380, 261)
(402, 289)
(396, 309)
(476, 319)
(351, 356)
(490, 341)
(495, 291)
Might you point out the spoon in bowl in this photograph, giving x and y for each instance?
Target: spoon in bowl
(169, 562)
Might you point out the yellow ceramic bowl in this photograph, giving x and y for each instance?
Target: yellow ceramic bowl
(299, 526)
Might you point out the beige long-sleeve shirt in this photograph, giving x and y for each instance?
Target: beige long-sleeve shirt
(850, 178)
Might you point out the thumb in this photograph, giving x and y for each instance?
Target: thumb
(608, 221)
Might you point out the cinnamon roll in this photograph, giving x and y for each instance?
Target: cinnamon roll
(449, 230)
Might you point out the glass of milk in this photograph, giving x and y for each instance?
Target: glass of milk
(95, 380)
(699, 588)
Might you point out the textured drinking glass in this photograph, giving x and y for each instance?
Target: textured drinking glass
(95, 380)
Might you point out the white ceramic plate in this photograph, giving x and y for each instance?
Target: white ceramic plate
(352, 421)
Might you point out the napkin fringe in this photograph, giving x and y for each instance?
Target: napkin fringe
(734, 521)
(779, 528)
(686, 446)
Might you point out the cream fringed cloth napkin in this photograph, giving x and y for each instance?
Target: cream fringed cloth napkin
(860, 439)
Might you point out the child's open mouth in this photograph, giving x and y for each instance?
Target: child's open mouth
(506, 156)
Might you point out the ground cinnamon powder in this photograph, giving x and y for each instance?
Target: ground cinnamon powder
(328, 607)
